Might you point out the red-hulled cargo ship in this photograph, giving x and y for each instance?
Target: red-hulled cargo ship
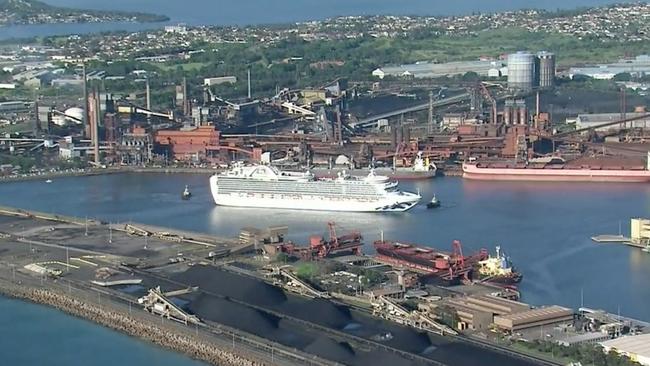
(558, 170)
(444, 268)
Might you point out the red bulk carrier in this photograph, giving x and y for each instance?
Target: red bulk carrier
(441, 267)
(557, 170)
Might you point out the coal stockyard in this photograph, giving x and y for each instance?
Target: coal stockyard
(136, 266)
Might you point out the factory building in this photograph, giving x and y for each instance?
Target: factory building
(434, 70)
(637, 348)
(15, 106)
(637, 67)
(135, 146)
(546, 316)
(592, 120)
(188, 144)
(477, 312)
(521, 71)
(640, 230)
(220, 80)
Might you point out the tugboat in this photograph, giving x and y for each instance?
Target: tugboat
(498, 269)
(186, 193)
(434, 203)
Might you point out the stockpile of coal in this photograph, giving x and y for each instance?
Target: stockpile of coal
(230, 285)
(387, 358)
(332, 350)
(400, 337)
(221, 287)
(319, 311)
(228, 313)
(463, 354)
(409, 340)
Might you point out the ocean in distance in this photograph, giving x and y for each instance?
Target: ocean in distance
(243, 12)
(36, 335)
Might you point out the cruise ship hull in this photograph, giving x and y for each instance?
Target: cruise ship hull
(390, 203)
(472, 171)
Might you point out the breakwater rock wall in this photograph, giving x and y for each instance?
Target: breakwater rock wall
(193, 346)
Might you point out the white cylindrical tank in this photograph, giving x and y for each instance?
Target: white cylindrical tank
(521, 71)
(546, 62)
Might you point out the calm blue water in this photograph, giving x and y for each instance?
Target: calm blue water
(34, 335)
(221, 12)
(545, 227)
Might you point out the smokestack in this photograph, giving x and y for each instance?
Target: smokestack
(537, 106)
(37, 119)
(623, 104)
(406, 132)
(148, 96)
(523, 115)
(249, 83)
(186, 100)
(85, 107)
(93, 117)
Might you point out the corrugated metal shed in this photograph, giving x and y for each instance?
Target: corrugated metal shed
(636, 347)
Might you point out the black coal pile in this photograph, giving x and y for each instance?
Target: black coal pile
(319, 311)
(331, 350)
(408, 340)
(237, 316)
(231, 285)
(385, 358)
(463, 354)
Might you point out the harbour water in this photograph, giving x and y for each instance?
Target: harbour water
(34, 335)
(544, 227)
(211, 12)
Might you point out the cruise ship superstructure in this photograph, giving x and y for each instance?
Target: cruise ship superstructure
(267, 187)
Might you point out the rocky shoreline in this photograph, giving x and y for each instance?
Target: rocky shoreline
(192, 346)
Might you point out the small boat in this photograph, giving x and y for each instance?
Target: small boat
(646, 249)
(48, 181)
(433, 203)
(186, 193)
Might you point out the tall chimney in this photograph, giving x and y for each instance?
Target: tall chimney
(96, 137)
(148, 96)
(85, 107)
(249, 83)
(186, 99)
(37, 119)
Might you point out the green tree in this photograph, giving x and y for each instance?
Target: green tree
(623, 76)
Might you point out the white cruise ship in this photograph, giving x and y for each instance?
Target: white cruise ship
(267, 187)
